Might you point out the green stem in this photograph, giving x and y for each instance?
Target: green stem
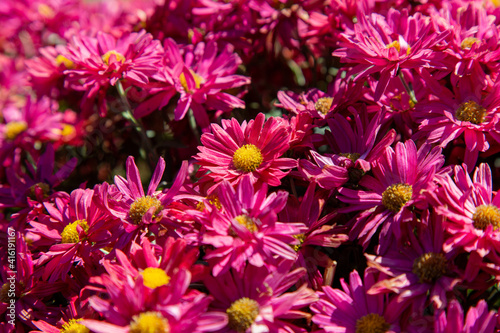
(409, 90)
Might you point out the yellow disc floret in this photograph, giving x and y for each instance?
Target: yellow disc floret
(372, 323)
(323, 104)
(468, 42)
(301, 238)
(73, 326)
(149, 322)
(118, 56)
(154, 277)
(247, 158)
(14, 128)
(471, 111)
(198, 80)
(395, 45)
(396, 196)
(70, 232)
(62, 60)
(486, 215)
(429, 267)
(242, 313)
(140, 206)
(246, 221)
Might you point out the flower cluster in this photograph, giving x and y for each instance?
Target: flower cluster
(249, 166)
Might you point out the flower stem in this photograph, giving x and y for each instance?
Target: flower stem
(408, 88)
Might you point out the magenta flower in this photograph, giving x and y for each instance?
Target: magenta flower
(256, 300)
(399, 177)
(386, 44)
(246, 228)
(200, 74)
(478, 319)
(354, 309)
(255, 148)
(472, 214)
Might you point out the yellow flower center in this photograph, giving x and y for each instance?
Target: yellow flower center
(4, 293)
(46, 11)
(140, 206)
(372, 323)
(70, 233)
(73, 326)
(242, 313)
(118, 56)
(14, 128)
(44, 187)
(62, 60)
(470, 111)
(198, 80)
(496, 3)
(246, 221)
(68, 130)
(395, 45)
(323, 105)
(396, 196)
(429, 267)
(213, 199)
(247, 158)
(301, 238)
(468, 42)
(149, 322)
(352, 156)
(155, 277)
(486, 215)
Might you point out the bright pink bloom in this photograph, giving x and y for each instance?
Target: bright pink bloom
(478, 319)
(255, 148)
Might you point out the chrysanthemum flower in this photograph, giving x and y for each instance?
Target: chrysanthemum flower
(256, 300)
(246, 228)
(478, 319)
(419, 271)
(472, 216)
(201, 74)
(354, 310)
(386, 44)
(399, 177)
(255, 148)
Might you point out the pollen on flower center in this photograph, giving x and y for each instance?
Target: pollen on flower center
(352, 156)
(4, 293)
(242, 313)
(73, 326)
(140, 206)
(301, 238)
(468, 42)
(149, 322)
(118, 56)
(212, 199)
(429, 267)
(396, 196)
(70, 232)
(14, 128)
(247, 158)
(471, 111)
(154, 277)
(372, 323)
(33, 189)
(394, 44)
(323, 104)
(246, 221)
(198, 80)
(62, 60)
(486, 215)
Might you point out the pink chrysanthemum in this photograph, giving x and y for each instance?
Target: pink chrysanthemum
(246, 228)
(472, 216)
(255, 148)
(478, 319)
(354, 309)
(399, 177)
(256, 300)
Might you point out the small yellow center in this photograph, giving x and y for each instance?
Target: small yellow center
(44, 187)
(68, 130)
(212, 199)
(46, 11)
(301, 238)
(118, 57)
(471, 111)
(242, 313)
(429, 267)
(14, 128)
(372, 323)
(247, 158)
(198, 80)
(155, 277)
(486, 215)
(246, 221)
(4, 293)
(73, 326)
(149, 322)
(352, 156)
(468, 42)
(396, 196)
(70, 232)
(394, 44)
(140, 207)
(62, 60)
(323, 105)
